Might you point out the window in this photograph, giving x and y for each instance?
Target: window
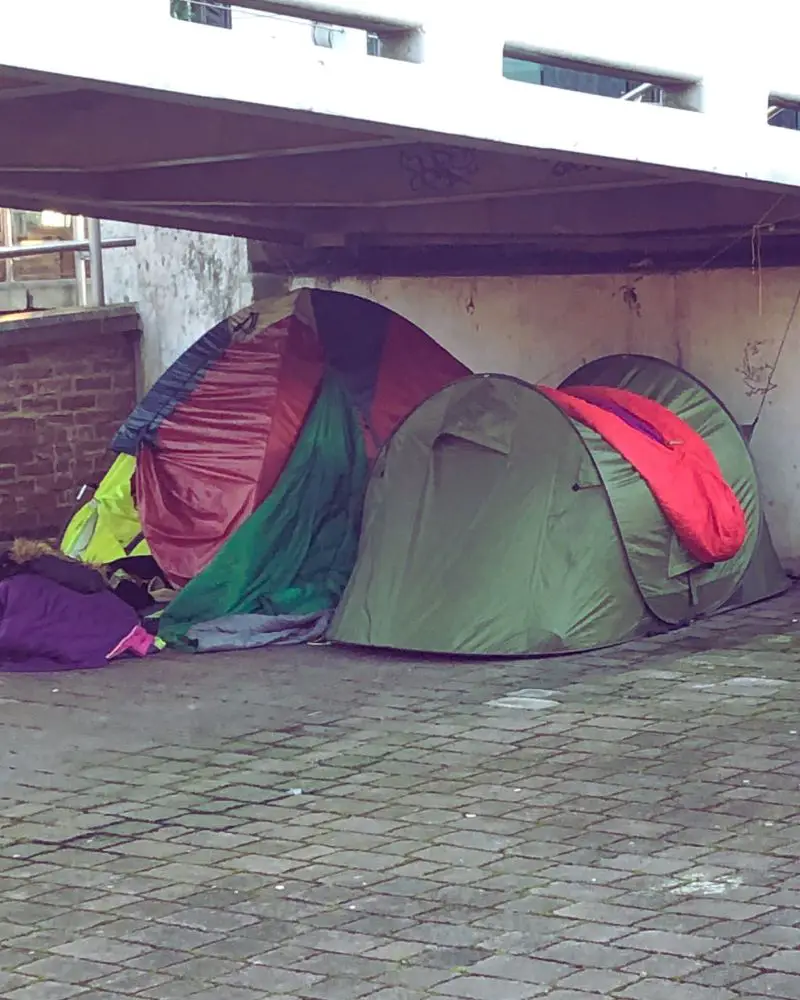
(326, 36)
(215, 13)
(570, 79)
(786, 118)
(606, 85)
(19, 228)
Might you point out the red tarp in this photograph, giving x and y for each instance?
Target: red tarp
(222, 449)
(679, 467)
(413, 367)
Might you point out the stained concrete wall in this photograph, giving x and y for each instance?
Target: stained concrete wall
(726, 327)
(182, 284)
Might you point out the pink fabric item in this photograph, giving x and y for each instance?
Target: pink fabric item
(138, 641)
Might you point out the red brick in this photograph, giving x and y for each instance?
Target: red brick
(86, 433)
(85, 418)
(36, 469)
(124, 379)
(45, 483)
(15, 454)
(17, 426)
(85, 401)
(33, 371)
(22, 388)
(47, 433)
(14, 356)
(106, 401)
(88, 461)
(39, 404)
(69, 357)
(45, 456)
(93, 382)
(57, 384)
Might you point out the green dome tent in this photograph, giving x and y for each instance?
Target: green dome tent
(495, 525)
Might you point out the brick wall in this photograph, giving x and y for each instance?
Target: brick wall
(67, 381)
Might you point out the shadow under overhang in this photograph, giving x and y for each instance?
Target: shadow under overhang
(324, 199)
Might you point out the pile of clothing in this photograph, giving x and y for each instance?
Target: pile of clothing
(59, 614)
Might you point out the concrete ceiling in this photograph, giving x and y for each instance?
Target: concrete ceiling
(330, 200)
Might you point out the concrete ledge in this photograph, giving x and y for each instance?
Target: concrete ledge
(55, 293)
(69, 324)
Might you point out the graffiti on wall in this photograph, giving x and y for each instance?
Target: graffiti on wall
(757, 373)
(439, 169)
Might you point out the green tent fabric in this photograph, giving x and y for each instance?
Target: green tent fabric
(762, 575)
(494, 525)
(662, 568)
(295, 553)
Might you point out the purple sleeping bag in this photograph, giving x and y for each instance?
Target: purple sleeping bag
(45, 626)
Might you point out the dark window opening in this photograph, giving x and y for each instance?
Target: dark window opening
(786, 118)
(605, 85)
(324, 34)
(602, 84)
(216, 14)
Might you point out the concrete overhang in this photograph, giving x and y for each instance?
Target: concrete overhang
(339, 162)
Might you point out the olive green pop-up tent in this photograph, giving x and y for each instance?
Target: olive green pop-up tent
(496, 525)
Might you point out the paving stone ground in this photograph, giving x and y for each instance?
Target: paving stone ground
(321, 824)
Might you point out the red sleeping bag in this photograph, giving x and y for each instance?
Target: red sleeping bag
(680, 469)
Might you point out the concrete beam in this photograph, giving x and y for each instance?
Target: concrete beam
(364, 15)
(691, 253)
(658, 210)
(376, 177)
(88, 130)
(206, 221)
(38, 91)
(433, 100)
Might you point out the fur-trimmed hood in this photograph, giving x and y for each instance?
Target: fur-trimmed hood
(27, 555)
(25, 550)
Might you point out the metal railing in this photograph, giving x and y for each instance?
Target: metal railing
(89, 250)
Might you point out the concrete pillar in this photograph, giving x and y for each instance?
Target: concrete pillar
(461, 43)
(728, 93)
(734, 56)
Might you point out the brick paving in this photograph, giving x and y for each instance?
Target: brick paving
(321, 824)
